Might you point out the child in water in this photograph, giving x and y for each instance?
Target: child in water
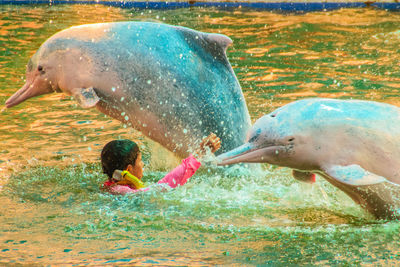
(122, 161)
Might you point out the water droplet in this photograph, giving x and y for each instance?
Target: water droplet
(122, 99)
(113, 89)
(126, 118)
(149, 82)
(123, 113)
(184, 131)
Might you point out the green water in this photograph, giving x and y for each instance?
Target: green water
(53, 212)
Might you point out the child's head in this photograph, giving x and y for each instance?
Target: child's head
(118, 155)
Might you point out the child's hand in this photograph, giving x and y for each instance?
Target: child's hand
(212, 141)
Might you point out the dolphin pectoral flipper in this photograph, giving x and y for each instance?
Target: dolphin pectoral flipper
(305, 177)
(353, 175)
(86, 97)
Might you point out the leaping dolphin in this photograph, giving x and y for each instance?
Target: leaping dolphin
(173, 84)
(355, 145)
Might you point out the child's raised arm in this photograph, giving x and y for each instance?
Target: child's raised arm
(181, 174)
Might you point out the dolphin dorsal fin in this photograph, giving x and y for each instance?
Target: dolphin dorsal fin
(214, 43)
(220, 40)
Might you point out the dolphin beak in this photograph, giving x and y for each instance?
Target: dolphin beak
(27, 91)
(235, 155)
(20, 96)
(247, 153)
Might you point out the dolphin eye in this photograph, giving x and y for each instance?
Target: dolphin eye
(273, 115)
(40, 68)
(291, 139)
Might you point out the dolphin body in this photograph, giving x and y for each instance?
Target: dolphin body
(355, 145)
(173, 84)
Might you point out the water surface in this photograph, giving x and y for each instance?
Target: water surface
(53, 212)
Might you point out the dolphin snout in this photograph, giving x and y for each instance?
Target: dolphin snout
(28, 90)
(19, 96)
(251, 152)
(235, 155)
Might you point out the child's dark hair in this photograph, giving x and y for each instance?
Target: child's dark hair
(117, 155)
